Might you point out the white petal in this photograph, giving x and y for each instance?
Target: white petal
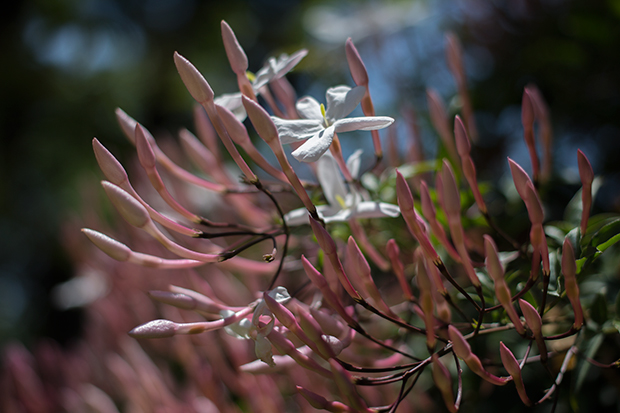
(362, 123)
(309, 108)
(376, 210)
(232, 102)
(296, 130)
(314, 147)
(262, 349)
(331, 180)
(296, 217)
(354, 163)
(341, 216)
(341, 100)
(286, 63)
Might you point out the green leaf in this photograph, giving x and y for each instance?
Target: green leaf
(598, 310)
(592, 347)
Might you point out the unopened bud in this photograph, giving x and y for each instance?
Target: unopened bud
(193, 80)
(263, 124)
(356, 65)
(130, 209)
(110, 246)
(512, 367)
(110, 166)
(236, 56)
(155, 329)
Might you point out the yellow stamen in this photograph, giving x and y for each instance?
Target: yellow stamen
(339, 198)
(251, 76)
(323, 112)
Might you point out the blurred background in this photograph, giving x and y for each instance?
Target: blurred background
(70, 63)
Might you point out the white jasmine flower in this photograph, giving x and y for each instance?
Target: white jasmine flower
(342, 203)
(319, 123)
(271, 70)
(250, 329)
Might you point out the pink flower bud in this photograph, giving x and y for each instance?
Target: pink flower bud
(344, 382)
(405, 202)
(527, 111)
(454, 54)
(320, 402)
(356, 65)
(110, 246)
(110, 166)
(193, 80)
(527, 118)
(532, 317)
(145, 151)
(130, 209)
(443, 381)
(512, 367)
(520, 178)
(398, 268)
(569, 269)
(460, 136)
(127, 124)
(463, 351)
(155, 329)
(236, 56)
(450, 191)
(263, 124)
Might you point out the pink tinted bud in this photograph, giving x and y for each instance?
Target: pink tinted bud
(263, 124)
(356, 65)
(398, 268)
(110, 246)
(178, 300)
(520, 178)
(461, 347)
(328, 323)
(236, 130)
(492, 262)
(585, 168)
(110, 166)
(450, 191)
(533, 204)
(193, 80)
(532, 317)
(312, 329)
(145, 151)
(127, 124)
(405, 198)
(320, 402)
(325, 241)
(443, 381)
(454, 56)
(282, 313)
(463, 145)
(344, 382)
(131, 210)
(155, 329)
(527, 111)
(236, 56)
(512, 367)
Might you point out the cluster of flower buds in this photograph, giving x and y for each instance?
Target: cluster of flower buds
(353, 335)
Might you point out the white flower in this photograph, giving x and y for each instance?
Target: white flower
(246, 329)
(271, 70)
(319, 123)
(342, 204)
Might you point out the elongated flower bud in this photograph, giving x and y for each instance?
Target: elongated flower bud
(112, 247)
(463, 350)
(534, 322)
(426, 304)
(155, 329)
(110, 166)
(502, 292)
(587, 176)
(512, 367)
(405, 202)
(345, 385)
(236, 56)
(131, 210)
(193, 79)
(443, 381)
(328, 246)
(320, 402)
(356, 65)
(569, 269)
(398, 268)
